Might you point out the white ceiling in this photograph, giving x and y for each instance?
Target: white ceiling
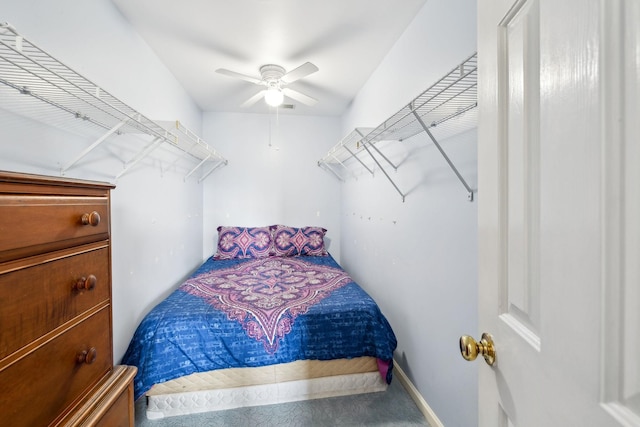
(346, 39)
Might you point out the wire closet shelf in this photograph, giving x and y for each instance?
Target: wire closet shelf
(453, 95)
(31, 71)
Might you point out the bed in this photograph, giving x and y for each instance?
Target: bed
(270, 318)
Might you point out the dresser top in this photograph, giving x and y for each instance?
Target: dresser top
(25, 178)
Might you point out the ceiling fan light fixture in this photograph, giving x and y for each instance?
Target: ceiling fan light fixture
(274, 97)
(274, 78)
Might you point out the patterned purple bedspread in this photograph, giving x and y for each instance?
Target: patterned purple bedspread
(257, 312)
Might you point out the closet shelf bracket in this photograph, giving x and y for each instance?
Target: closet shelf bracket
(93, 146)
(355, 156)
(191, 144)
(366, 145)
(210, 171)
(141, 155)
(348, 148)
(196, 167)
(327, 167)
(446, 158)
(366, 141)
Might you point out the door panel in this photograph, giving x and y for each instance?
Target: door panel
(519, 59)
(559, 212)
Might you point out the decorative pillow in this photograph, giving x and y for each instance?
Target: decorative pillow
(244, 242)
(290, 241)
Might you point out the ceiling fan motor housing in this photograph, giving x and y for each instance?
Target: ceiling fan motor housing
(271, 73)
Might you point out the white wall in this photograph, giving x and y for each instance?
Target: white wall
(418, 259)
(156, 217)
(277, 184)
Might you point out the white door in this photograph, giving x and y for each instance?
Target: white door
(559, 212)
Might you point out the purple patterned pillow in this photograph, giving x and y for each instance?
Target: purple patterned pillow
(290, 241)
(243, 242)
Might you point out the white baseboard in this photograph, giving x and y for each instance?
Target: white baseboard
(426, 410)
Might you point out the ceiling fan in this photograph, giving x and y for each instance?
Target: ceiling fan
(275, 79)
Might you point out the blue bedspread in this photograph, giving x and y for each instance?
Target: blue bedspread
(248, 313)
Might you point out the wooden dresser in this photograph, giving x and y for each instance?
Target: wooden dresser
(56, 363)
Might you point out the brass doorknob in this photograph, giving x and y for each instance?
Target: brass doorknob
(470, 349)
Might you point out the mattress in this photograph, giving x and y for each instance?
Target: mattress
(240, 387)
(248, 313)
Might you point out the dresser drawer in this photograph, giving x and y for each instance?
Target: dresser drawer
(43, 292)
(36, 224)
(39, 388)
(120, 414)
(110, 406)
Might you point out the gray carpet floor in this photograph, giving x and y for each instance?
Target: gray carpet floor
(393, 407)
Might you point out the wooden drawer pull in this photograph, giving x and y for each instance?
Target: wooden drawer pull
(92, 219)
(87, 356)
(86, 283)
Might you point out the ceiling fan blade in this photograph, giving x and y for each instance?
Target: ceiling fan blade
(233, 74)
(301, 97)
(298, 73)
(255, 98)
